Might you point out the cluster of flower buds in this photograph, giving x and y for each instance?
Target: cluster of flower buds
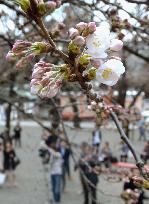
(117, 23)
(33, 9)
(94, 106)
(57, 30)
(98, 44)
(103, 109)
(24, 51)
(144, 21)
(99, 109)
(78, 34)
(37, 8)
(130, 196)
(141, 182)
(47, 79)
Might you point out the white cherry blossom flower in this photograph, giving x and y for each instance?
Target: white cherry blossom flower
(110, 72)
(98, 42)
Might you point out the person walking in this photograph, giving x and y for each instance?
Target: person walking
(106, 154)
(89, 175)
(17, 135)
(142, 130)
(96, 138)
(145, 153)
(55, 168)
(124, 152)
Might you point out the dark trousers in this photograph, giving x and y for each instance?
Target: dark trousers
(96, 146)
(123, 158)
(17, 142)
(66, 171)
(89, 192)
(56, 187)
(142, 134)
(145, 157)
(67, 168)
(63, 177)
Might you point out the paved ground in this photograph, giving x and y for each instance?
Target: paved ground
(30, 177)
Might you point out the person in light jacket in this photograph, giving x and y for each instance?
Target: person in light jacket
(96, 138)
(55, 168)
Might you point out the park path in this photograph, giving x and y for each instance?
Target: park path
(32, 188)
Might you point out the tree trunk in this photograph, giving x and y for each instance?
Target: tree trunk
(8, 116)
(9, 107)
(122, 90)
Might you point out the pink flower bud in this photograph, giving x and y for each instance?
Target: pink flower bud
(116, 45)
(96, 62)
(58, 83)
(92, 27)
(58, 3)
(38, 73)
(81, 26)
(34, 81)
(50, 5)
(79, 40)
(52, 92)
(61, 26)
(44, 81)
(22, 63)
(30, 57)
(10, 56)
(73, 33)
(20, 46)
(35, 88)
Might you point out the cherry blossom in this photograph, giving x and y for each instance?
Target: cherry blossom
(109, 72)
(98, 42)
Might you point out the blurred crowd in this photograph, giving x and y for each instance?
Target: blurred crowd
(93, 159)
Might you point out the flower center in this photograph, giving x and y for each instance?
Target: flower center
(97, 43)
(106, 73)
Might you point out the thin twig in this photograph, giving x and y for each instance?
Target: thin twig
(139, 163)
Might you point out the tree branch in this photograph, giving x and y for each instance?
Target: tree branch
(139, 163)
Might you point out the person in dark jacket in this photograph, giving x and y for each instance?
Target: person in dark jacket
(65, 152)
(9, 156)
(89, 175)
(17, 135)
